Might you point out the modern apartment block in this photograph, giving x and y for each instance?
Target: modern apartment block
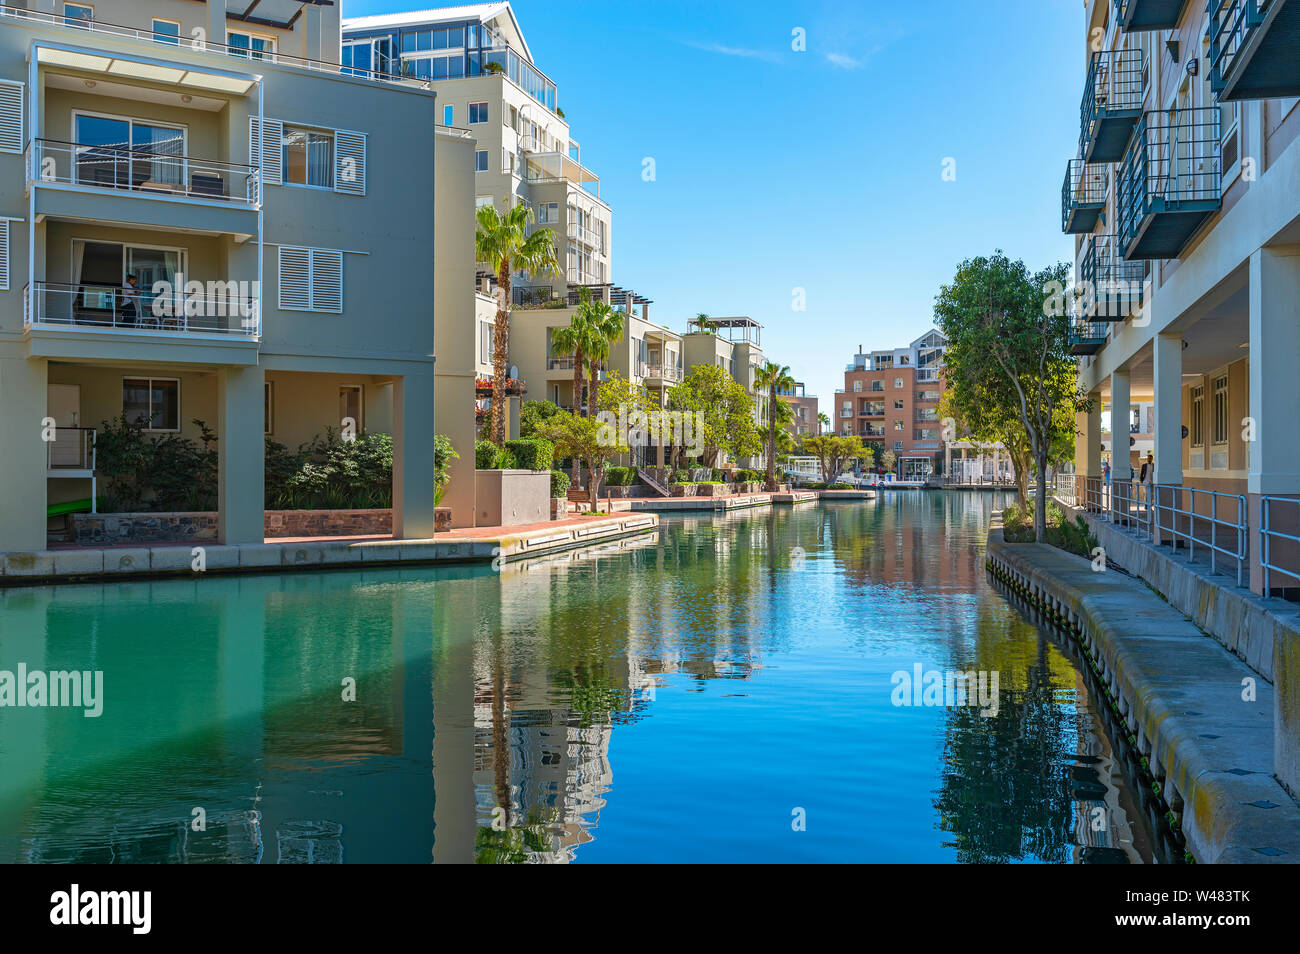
(476, 58)
(204, 217)
(805, 423)
(1184, 197)
(734, 343)
(891, 400)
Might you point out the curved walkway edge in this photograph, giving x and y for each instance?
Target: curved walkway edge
(1200, 716)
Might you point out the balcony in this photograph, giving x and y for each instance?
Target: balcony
(562, 366)
(1139, 16)
(1112, 103)
(1253, 46)
(1170, 182)
(660, 372)
(1087, 337)
(588, 236)
(872, 430)
(60, 306)
(1083, 196)
(872, 410)
(542, 167)
(1112, 287)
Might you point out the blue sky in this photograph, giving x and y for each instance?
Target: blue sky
(820, 169)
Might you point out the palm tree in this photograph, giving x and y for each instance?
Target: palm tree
(824, 423)
(703, 322)
(502, 241)
(608, 323)
(772, 377)
(576, 339)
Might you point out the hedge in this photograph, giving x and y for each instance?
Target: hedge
(531, 453)
(559, 483)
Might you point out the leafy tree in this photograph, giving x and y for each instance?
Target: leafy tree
(443, 454)
(587, 440)
(1008, 343)
(725, 409)
(889, 460)
(834, 451)
(534, 413)
(772, 377)
(503, 242)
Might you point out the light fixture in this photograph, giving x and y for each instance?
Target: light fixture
(90, 84)
(186, 98)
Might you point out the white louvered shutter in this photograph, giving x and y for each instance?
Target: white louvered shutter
(349, 162)
(294, 279)
(272, 132)
(326, 280)
(4, 255)
(11, 116)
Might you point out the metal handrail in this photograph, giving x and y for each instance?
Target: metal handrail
(1175, 156)
(141, 171)
(100, 305)
(1268, 534)
(82, 443)
(1085, 184)
(1231, 25)
(1112, 287)
(1166, 502)
(1117, 81)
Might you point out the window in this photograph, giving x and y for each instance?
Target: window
(507, 161)
(249, 45)
(1198, 416)
(78, 14)
(485, 342)
(4, 255)
(153, 402)
(1221, 409)
(481, 160)
(307, 157)
(898, 425)
(350, 405)
(449, 115)
(482, 200)
(857, 385)
(478, 113)
(898, 405)
(898, 382)
(167, 31)
(877, 385)
(548, 213)
(310, 279)
(898, 445)
(268, 407)
(1230, 122)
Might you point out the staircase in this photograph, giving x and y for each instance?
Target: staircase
(644, 476)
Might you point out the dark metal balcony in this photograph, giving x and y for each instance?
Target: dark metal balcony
(1111, 288)
(1112, 103)
(1171, 181)
(1083, 196)
(1087, 337)
(1138, 16)
(1254, 49)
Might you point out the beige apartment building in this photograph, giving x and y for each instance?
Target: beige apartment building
(1184, 197)
(804, 405)
(277, 212)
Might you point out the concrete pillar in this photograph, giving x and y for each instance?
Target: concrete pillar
(1168, 438)
(216, 21)
(453, 394)
(241, 455)
(413, 433)
(1087, 440)
(1120, 402)
(310, 24)
(23, 382)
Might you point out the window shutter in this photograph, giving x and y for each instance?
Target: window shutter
(272, 143)
(326, 280)
(311, 279)
(294, 279)
(349, 162)
(4, 255)
(11, 116)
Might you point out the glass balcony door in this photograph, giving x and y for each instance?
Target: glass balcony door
(124, 153)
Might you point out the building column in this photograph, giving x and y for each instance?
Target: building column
(216, 21)
(1120, 403)
(23, 382)
(1274, 406)
(1168, 438)
(413, 434)
(241, 455)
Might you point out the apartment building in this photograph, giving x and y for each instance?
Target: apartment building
(891, 400)
(476, 57)
(198, 222)
(734, 343)
(805, 423)
(1183, 200)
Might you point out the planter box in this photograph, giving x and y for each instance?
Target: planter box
(682, 490)
(715, 490)
(109, 528)
(441, 519)
(510, 498)
(559, 508)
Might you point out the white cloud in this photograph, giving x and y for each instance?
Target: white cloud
(766, 55)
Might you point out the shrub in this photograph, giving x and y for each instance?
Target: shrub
(341, 475)
(156, 473)
(559, 483)
(1074, 536)
(443, 454)
(533, 453)
(751, 476)
(485, 455)
(620, 476)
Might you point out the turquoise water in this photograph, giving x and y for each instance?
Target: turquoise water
(722, 691)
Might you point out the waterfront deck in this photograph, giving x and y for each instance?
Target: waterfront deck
(1181, 694)
(470, 545)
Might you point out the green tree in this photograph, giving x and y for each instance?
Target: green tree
(889, 460)
(723, 407)
(823, 423)
(502, 241)
(772, 377)
(534, 413)
(703, 323)
(834, 451)
(587, 440)
(1008, 345)
(607, 325)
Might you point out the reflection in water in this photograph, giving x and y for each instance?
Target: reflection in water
(736, 670)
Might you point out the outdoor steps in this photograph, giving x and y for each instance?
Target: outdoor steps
(649, 481)
(1180, 693)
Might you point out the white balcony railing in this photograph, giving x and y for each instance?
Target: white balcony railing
(113, 308)
(559, 364)
(661, 372)
(72, 450)
(136, 172)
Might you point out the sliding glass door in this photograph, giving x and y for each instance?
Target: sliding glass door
(120, 153)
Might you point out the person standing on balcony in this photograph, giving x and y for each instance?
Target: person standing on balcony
(130, 298)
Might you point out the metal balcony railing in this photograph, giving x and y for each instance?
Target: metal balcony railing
(664, 372)
(73, 449)
(140, 172)
(1173, 167)
(1253, 47)
(1083, 196)
(1112, 99)
(1279, 541)
(1087, 337)
(1137, 16)
(95, 306)
(559, 364)
(1111, 288)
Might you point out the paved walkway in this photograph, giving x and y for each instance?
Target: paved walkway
(1184, 697)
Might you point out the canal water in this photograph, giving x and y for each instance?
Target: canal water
(734, 688)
